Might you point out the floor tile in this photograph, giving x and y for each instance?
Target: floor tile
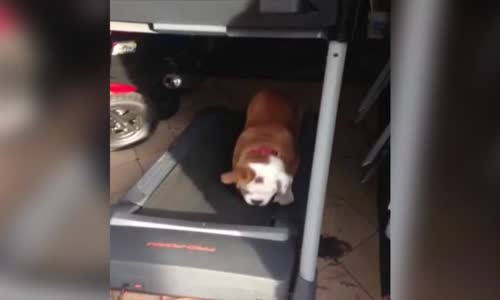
(363, 264)
(350, 99)
(147, 161)
(166, 133)
(214, 92)
(345, 224)
(335, 283)
(123, 178)
(240, 91)
(345, 183)
(121, 156)
(115, 295)
(323, 263)
(134, 296)
(158, 142)
(352, 142)
(180, 120)
(114, 197)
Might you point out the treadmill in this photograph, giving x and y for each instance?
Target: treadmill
(179, 231)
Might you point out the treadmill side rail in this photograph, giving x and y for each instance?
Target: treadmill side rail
(125, 219)
(149, 182)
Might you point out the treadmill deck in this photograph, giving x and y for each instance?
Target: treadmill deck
(184, 184)
(192, 190)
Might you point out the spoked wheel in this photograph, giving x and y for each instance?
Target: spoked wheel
(130, 120)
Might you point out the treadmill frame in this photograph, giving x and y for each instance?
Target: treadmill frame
(305, 283)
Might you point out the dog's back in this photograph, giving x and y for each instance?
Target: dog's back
(269, 108)
(265, 157)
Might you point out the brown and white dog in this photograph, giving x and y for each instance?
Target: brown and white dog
(266, 158)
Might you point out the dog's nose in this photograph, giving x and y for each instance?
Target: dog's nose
(256, 202)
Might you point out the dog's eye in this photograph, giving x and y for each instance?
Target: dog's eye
(259, 180)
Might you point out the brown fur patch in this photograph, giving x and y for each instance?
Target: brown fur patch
(272, 121)
(241, 176)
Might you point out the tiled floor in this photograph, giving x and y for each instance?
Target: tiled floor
(350, 209)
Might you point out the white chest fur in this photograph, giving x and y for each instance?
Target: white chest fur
(270, 179)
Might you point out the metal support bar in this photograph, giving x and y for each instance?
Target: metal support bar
(375, 150)
(321, 161)
(373, 93)
(375, 166)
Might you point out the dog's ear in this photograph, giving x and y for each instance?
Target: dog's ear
(229, 177)
(245, 175)
(239, 175)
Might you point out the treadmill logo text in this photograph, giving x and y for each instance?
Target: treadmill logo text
(180, 247)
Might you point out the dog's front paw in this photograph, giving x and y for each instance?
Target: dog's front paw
(284, 199)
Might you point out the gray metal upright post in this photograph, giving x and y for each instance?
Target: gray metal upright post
(321, 161)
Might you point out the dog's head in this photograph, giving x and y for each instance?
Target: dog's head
(258, 180)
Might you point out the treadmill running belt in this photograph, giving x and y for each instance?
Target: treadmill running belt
(192, 190)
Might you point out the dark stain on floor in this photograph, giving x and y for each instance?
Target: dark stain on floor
(333, 248)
